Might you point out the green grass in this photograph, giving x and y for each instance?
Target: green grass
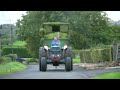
(11, 67)
(76, 61)
(16, 44)
(19, 43)
(113, 75)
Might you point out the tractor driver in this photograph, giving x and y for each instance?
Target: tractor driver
(55, 42)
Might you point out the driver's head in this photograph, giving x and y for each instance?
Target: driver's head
(55, 38)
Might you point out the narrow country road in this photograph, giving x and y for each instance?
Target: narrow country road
(32, 72)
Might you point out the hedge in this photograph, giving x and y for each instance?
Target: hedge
(21, 52)
(95, 55)
(75, 53)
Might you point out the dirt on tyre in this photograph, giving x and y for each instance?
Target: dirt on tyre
(42, 52)
(68, 52)
(43, 64)
(68, 63)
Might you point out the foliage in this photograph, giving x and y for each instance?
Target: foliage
(19, 44)
(21, 52)
(95, 55)
(31, 60)
(5, 59)
(6, 30)
(76, 53)
(7, 34)
(114, 33)
(76, 60)
(87, 28)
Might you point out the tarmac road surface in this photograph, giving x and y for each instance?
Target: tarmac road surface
(32, 72)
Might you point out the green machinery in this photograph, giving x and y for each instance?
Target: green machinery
(59, 54)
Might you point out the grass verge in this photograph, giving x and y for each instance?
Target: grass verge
(76, 60)
(113, 75)
(11, 67)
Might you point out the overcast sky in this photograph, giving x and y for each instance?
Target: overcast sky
(12, 16)
(7, 17)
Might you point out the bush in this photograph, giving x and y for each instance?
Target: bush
(5, 41)
(21, 52)
(5, 59)
(31, 60)
(12, 56)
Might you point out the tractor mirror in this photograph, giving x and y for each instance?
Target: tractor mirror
(46, 47)
(65, 46)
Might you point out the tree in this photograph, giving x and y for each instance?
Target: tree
(0, 26)
(87, 27)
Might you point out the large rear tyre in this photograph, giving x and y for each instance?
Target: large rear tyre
(42, 52)
(43, 64)
(68, 64)
(71, 64)
(39, 64)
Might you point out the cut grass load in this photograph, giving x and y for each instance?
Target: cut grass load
(51, 35)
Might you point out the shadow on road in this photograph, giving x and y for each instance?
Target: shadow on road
(55, 70)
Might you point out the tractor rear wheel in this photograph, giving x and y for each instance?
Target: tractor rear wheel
(42, 52)
(43, 64)
(39, 64)
(71, 64)
(68, 64)
(68, 53)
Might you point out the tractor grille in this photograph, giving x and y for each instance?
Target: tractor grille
(55, 50)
